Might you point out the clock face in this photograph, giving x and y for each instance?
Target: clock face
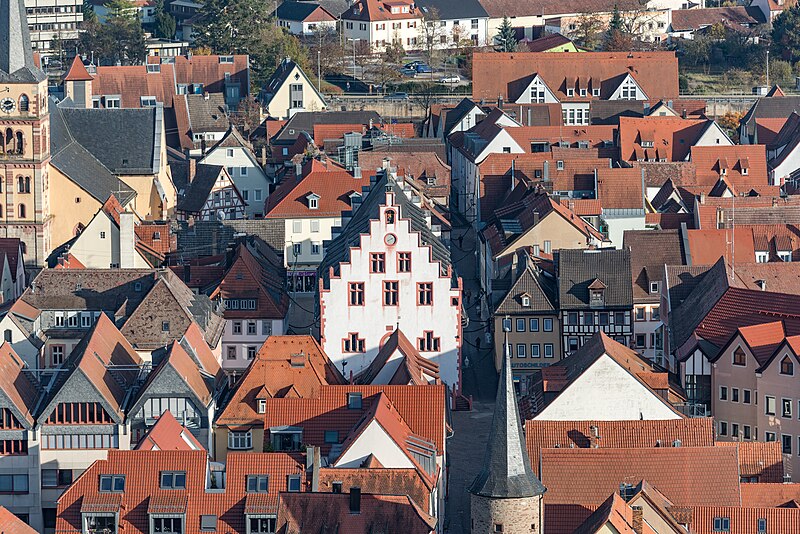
(390, 239)
(7, 105)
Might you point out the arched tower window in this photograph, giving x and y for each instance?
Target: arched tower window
(21, 211)
(24, 103)
(27, 184)
(19, 143)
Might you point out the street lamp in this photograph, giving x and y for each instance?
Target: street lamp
(354, 57)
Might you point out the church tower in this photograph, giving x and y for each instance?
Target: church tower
(24, 136)
(506, 495)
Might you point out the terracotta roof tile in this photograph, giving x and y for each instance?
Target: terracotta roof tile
(620, 188)
(377, 10)
(276, 371)
(670, 137)
(758, 459)
(711, 161)
(331, 182)
(644, 434)
(745, 520)
(769, 494)
(323, 132)
(13, 524)
(19, 387)
(316, 512)
(580, 480)
(168, 435)
(413, 369)
(77, 71)
(507, 74)
(767, 128)
(378, 480)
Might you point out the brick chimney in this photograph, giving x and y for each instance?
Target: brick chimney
(637, 519)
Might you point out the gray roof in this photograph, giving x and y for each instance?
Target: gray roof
(455, 115)
(681, 281)
(538, 285)
(209, 238)
(609, 111)
(297, 11)
(124, 140)
(304, 121)
(16, 55)
(685, 318)
(207, 113)
(79, 164)
(108, 290)
(776, 107)
(650, 251)
(577, 269)
(506, 472)
(453, 9)
(192, 195)
(338, 250)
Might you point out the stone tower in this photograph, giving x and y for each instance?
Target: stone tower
(24, 136)
(506, 495)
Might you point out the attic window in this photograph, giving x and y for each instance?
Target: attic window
(654, 287)
(745, 171)
(647, 144)
(596, 92)
(226, 59)
(722, 524)
(787, 367)
(526, 301)
(156, 236)
(261, 405)
(560, 165)
(389, 216)
(165, 326)
(313, 201)
(570, 92)
(354, 401)
(153, 68)
(137, 286)
(148, 101)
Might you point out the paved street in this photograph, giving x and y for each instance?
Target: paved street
(466, 448)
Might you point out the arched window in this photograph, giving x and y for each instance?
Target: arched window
(9, 137)
(21, 211)
(20, 184)
(27, 184)
(787, 366)
(389, 216)
(23, 103)
(19, 143)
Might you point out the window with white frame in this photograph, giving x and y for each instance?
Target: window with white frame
(148, 101)
(240, 440)
(162, 523)
(762, 256)
(100, 523)
(261, 524)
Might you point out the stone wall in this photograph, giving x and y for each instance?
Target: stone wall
(518, 516)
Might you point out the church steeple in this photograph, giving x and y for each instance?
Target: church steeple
(506, 470)
(16, 56)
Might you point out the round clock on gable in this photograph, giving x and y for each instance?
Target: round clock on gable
(7, 105)
(390, 239)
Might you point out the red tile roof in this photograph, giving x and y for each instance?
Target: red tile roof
(640, 434)
(142, 492)
(507, 74)
(334, 131)
(767, 128)
(254, 278)
(318, 512)
(12, 524)
(168, 435)
(770, 495)
(17, 386)
(620, 188)
(377, 10)
(671, 137)
(744, 520)
(758, 459)
(77, 71)
(413, 368)
(711, 161)
(708, 246)
(293, 366)
(331, 182)
(580, 480)
(378, 480)
(421, 407)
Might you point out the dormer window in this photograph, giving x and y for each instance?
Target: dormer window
(261, 405)
(570, 92)
(654, 287)
(723, 171)
(596, 92)
(597, 293)
(787, 366)
(647, 144)
(526, 301)
(560, 165)
(745, 171)
(153, 68)
(313, 201)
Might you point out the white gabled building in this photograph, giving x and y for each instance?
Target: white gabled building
(235, 154)
(387, 270)
(288, 91)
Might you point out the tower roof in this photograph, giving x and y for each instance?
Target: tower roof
(506, 470)
(77, 72)
(16, 55)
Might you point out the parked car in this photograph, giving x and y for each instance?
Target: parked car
(451, 79)
(408, 71)
(423, 68)
(396, 97)
(412, 65)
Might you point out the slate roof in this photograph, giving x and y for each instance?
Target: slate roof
(301, 11)
(16, 55)
(536, 284)
(650, 251)
(317, 512)
(577, 269)
(506, 471)
(97, 130)
(207, 113)
(210, 238)
(111, 290)
(192, 195)
(453, 9)
(79, 164)
(338, 250)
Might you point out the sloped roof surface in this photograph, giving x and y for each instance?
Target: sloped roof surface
(576, 269)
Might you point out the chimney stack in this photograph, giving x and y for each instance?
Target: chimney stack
(192, 169)
(637, 519)
(355, 500)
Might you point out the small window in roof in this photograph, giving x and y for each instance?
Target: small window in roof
(208, 523)
(354, 401)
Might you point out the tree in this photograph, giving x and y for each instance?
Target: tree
(432, 35)
(587, 31)
(247, 116)
(88, 12)
(786, 34)
(506, 38)
(121, 9)
(119, 40)
(165, 23)
(618, 38)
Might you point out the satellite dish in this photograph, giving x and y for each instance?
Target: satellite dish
(220, 215)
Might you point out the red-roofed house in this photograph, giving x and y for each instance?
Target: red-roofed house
(256, 304)
(311, 203)
(168, 435)
(665, 139)
(758, 360)
(378, 23)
